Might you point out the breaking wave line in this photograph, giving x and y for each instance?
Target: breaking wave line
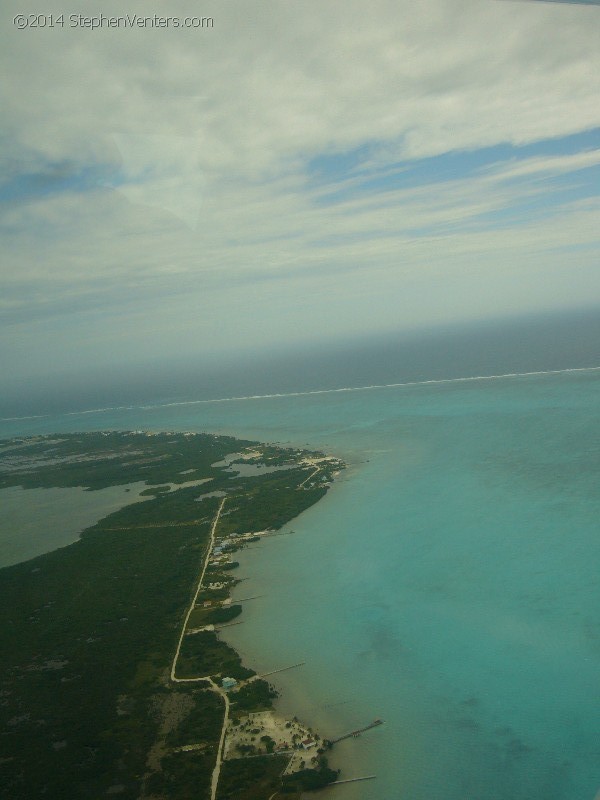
(310, 392)
(372, 386)
(30, 416)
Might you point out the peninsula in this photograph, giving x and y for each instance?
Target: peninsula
(114, 681)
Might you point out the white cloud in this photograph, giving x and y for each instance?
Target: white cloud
(273, 80)
(549, 166)
(162, 171)
(205, 136)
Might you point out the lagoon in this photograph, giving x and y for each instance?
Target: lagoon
(36, 521)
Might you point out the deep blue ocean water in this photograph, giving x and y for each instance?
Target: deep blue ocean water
(448, 583)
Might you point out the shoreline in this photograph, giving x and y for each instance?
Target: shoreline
(295, 698)
(196, 550)
(274, 722)
(86, 511)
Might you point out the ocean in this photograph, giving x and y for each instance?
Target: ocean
(447, 584)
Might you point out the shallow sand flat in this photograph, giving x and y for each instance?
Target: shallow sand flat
(302, 691)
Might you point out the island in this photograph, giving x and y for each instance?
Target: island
(114, 681)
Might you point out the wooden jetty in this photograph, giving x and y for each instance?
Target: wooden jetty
(245, 599)
(281, 669)
(351, 780)
(354, 734)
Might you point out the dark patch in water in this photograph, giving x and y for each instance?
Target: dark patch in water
(516, 748)
(467, 724)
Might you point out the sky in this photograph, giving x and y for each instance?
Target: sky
(289, 173)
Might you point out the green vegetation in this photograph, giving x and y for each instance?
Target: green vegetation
(154, 490)
(308, 779)
(204, 654)
(251, 778)
(257, 695)
(108, 458)
(220, 616)
(88, 632)
(269, 501)
(214, 616)
(81, 627)
(225, 567)
(202, 723)
(183, 775)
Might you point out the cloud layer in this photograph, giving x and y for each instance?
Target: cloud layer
(296, 171)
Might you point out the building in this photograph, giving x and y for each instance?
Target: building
(229, 683)
(308, 743)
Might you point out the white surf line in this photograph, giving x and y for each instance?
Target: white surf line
(193, 603)
(312, 391)
(375, 386)
(32, 416)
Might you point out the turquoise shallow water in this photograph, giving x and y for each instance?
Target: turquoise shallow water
(448, 583)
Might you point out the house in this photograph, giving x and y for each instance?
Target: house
(229, 683)
(308, 743)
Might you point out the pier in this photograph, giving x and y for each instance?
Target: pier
(351, 780)
(245, 599)
(228, 625)
(354, 734)
(282, 669)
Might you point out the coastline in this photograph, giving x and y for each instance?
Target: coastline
(261, 499)
(286, 705)
(298, 689)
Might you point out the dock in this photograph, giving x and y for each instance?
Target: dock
(351, 780)
(245, 599)
(358, 731)
(282, 669)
